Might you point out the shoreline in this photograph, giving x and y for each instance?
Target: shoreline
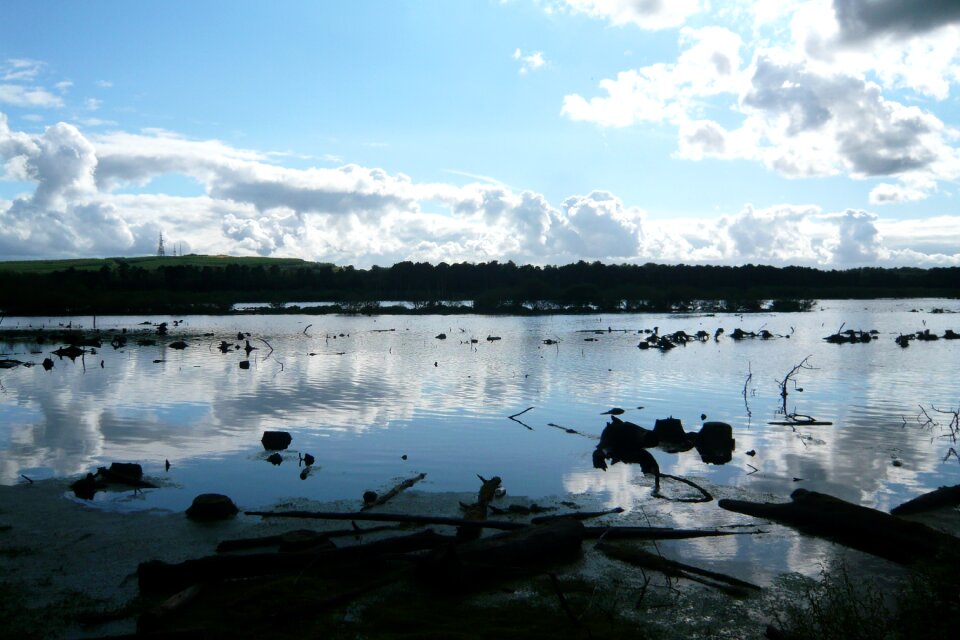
(62, 559)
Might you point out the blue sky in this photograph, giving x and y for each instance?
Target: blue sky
(543, 131)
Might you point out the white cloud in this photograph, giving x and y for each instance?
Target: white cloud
(858, 242)
(365, 216)
(104, 84)
(887, 193)
(918, 50)
(20, 96)
(708, 65)
(646, 14)
(815, 109)
(15, 73)
(529, 62)
(20, 69)
(869, 18)
(92, 104)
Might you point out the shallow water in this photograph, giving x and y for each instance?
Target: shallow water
(358, 393)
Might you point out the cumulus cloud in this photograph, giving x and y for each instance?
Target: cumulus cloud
(817, 108)
(646, 14)
(708, 65)
(364, 216)
(600, 227)
(886, 193)
(823, 123)
(867, 18)
(858, 241)
(903, 44)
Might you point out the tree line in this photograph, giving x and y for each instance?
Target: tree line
(177, 286)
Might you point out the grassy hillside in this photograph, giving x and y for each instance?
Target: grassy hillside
(149, 263)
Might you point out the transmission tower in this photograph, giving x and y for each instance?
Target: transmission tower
(160, 250)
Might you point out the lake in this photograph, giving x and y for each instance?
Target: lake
(378, 399)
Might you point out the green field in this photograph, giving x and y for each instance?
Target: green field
(147, 262)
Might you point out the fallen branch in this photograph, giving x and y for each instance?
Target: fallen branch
(707, 497)
(676, 569)
(406, 484)
(576, 515)
(390, 517)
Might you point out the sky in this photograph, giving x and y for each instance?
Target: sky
(821, 133)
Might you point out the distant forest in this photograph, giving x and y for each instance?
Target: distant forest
(213, 284)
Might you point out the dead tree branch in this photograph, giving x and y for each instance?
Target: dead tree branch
(791, 376)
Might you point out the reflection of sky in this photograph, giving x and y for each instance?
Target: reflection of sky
(360, 400)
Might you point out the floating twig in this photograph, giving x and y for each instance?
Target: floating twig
(520, 413)
(573, 431)
(520, 422)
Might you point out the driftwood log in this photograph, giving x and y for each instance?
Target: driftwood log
(942, 497)
(504, 525)
(646, 533)
(849, 524)
(451, 564)
(162, 577)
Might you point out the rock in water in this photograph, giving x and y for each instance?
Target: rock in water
(208, 507)
(276, 440)
(127, 469)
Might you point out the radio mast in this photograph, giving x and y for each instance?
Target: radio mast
(160, 251)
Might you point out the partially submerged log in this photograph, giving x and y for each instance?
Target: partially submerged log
(942, 497)
(460, 566)
(406, 484)
(859, 527)
(659, 533)
(649, 533)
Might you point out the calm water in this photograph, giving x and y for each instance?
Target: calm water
(360, 392)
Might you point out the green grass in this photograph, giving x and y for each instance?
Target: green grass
(924, 604)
